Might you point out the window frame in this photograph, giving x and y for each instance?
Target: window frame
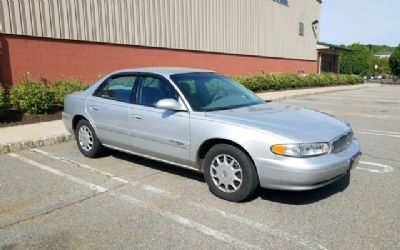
(301, 28)
(114, 76)
(163, 79)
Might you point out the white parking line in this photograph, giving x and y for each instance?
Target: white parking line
(171, 216)
(379, 131)
(379, 134)
(383, 168)
(192, 224)
(261, 227)
(296, 239)
(155, 190)
(357, 114)
(367, 116)
(81, 165)
(331, 103)
(77, 180)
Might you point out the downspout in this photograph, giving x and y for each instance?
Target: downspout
(319, 62)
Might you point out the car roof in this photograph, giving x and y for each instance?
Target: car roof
(165, 71)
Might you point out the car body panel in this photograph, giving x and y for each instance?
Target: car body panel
(297, 124)
(110, 119)
(290, 173)
(176, 137)
(162, 133)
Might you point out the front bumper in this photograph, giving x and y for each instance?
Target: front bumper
(289, 173)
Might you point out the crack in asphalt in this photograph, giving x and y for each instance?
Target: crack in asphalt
(95, 194)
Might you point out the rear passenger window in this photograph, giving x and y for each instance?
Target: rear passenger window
(118, 88)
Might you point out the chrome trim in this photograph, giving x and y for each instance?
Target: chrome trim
(182, 97)
(162, 140)
(152, 158)
(337, 137)
(349, 135)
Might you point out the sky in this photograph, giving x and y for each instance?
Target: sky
(362, 21)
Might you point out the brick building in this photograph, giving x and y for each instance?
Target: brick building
(88, 38)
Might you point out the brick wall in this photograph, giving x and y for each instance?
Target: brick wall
(51, 59)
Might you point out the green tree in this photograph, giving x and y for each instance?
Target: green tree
(394, 61)
(383, 65)
(355, 62)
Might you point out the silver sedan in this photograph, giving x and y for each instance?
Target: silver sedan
(204, 121)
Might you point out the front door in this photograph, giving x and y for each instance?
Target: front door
(158, 132)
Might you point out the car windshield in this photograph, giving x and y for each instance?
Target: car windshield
(210, 92)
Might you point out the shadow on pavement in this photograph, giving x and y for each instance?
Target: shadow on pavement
(187, 173)
(305, 197)
(279, 196)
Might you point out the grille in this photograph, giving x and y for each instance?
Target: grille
(343, 142)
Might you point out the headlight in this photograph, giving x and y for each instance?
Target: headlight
(301, 149)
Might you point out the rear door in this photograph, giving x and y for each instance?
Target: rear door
(108, 109)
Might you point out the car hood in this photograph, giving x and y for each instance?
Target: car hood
(292, 122)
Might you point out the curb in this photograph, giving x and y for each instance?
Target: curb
(29, 144)
(355, 87)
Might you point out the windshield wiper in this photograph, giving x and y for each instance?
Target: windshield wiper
(230, 107)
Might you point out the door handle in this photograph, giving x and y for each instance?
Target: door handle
(93, 108)
(137, 117)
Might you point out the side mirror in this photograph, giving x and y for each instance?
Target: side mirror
(170, 104)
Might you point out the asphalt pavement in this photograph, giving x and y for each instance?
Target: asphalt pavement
(54, 198)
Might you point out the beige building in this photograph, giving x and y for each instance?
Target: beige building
(232, 36)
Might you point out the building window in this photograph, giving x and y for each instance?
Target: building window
(284, 2)
(301, 29)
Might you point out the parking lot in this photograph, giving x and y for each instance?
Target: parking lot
(54, 198)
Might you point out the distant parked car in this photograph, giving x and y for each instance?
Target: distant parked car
(201, 120)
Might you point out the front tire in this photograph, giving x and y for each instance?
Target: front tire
(87, 140)
(230, 173)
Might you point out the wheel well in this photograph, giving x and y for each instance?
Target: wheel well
(76, 119)
(207, 145)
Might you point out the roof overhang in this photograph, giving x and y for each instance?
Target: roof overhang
(321, 46)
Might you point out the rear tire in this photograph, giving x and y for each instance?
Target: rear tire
(230, 173)
(87, 140)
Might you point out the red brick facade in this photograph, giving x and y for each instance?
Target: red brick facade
(87, 61)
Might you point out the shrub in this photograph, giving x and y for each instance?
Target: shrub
(3, 103)
(61, 88)
(31, 96)
(289, 80)
(355, 62)
(394, 62)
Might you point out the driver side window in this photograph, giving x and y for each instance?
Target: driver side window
(153, 89)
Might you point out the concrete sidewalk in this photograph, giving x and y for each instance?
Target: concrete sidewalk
(46, 133)
(32, 135)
